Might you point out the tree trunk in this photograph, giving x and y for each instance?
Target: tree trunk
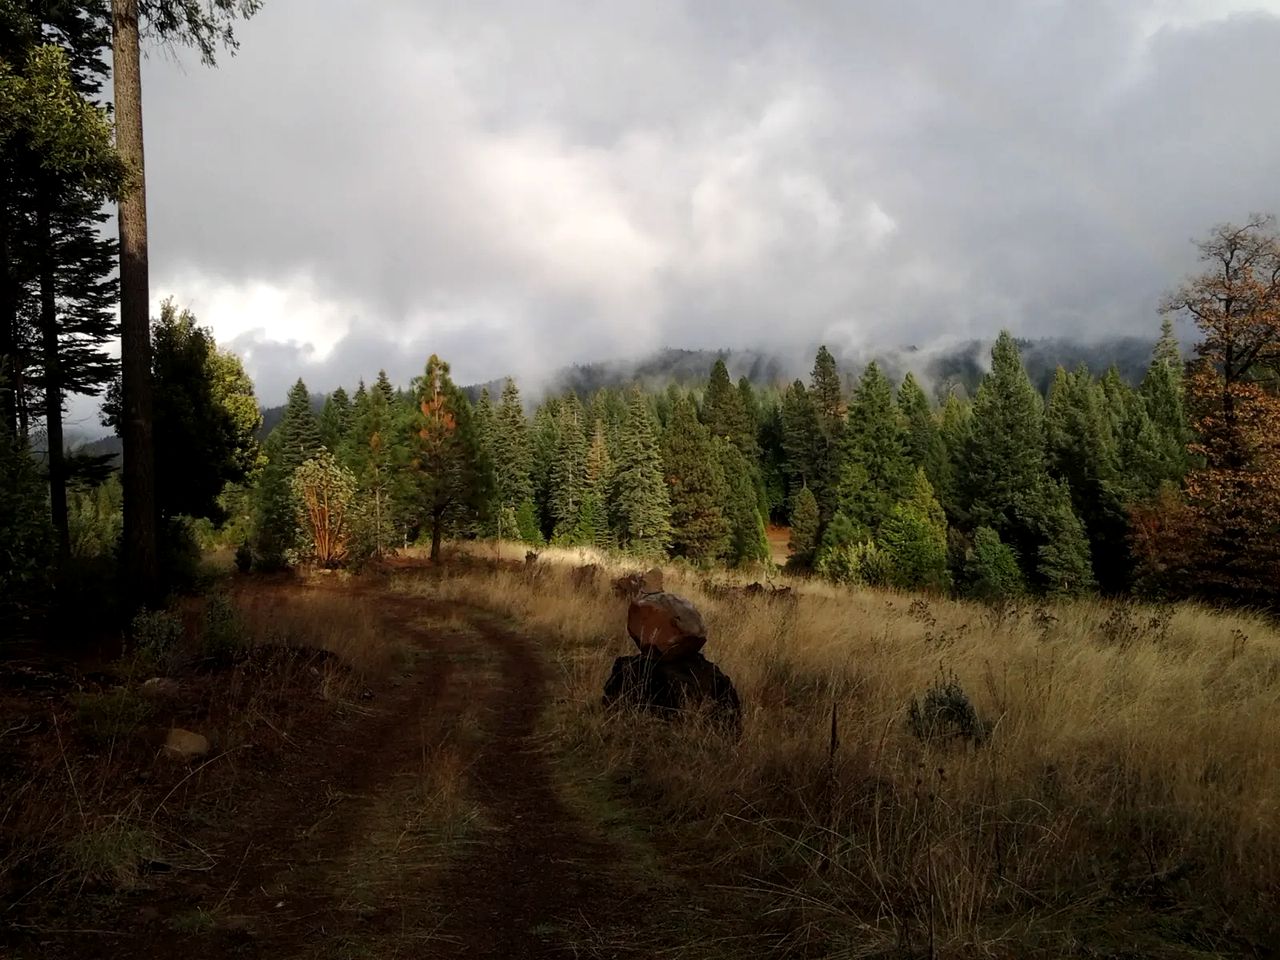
(437, 525)
(52, 377)
(136, 428)
(8, 329)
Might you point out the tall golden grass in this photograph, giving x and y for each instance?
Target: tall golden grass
(1128, 793)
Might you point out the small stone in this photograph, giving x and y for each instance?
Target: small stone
(184, 745)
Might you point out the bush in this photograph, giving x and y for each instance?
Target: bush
(991, 568)
(156, 636)
(945, 713)
(244, 557)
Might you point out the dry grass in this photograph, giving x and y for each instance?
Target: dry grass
(1127, 793)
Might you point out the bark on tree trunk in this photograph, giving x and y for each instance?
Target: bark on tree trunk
(8, 330)
(136, 431)
(52, 378)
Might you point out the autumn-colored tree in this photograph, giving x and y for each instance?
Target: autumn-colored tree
(454, 478)
(1234, 491)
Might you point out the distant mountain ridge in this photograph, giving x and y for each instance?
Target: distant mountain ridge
(957, 365)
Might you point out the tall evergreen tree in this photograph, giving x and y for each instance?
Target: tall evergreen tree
(641, 503)
(544, 442)
(724, 413)
(1003, 464)
(747, 542)
(377, 454)
(453, 477)
(205, 26)
(827, 396)
(773, 460)
(915, 538)
(875, 471)
(512, 458)
(804, 530)
(925, 445)
(299, 430)
(800, 439)
(697, 487)
(1063, 555)
(1162, 393)
(1082, 450)
(335, 420)
(569, 470)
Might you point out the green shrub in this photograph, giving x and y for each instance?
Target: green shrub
(155, 635)
(111, 854)
(945, 713)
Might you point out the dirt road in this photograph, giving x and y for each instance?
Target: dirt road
(427, 824)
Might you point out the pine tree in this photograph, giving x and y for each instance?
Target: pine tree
(511, 456)
(383, 385)
(1064, 565)
(915, 538)
(1003, 468)
(804, 530)
(800, 440)
(298, 428)
(377, 453)
(955, 425)
(335, 420)
(724, 413)
(875, 471)
(925, 445)
(1083, 451)
(569, 470)
(1162, 392)
(453, 477)
(275, 527)
(641, 503)
(747, 542)
(827, 396)
(773, 459)
(697, 487)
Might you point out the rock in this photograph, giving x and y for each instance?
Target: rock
(161, 688)
(184, 745)
(669, 687)
(633, 585)
(666, 625)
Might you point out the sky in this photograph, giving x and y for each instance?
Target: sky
(522, 184)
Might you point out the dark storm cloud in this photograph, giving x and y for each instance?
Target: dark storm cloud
(519, 185)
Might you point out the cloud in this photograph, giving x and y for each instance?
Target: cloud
(519, 186)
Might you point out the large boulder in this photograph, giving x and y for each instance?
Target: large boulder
(669, 687)
(665, 625)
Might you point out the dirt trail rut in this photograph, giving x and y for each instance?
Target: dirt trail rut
(432, 828)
